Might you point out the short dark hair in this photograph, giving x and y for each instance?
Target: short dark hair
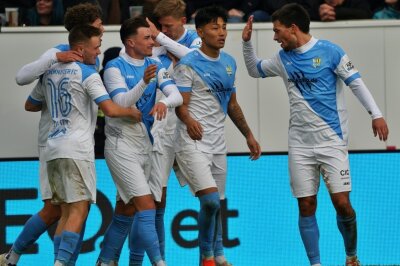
(82, 33)
(130, 27)
(85, 13)
(293, 14)
(209, 14)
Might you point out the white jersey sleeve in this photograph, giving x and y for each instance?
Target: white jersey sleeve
(168, 87)
(260, 68)
(119, 92)
(32, 71)
(362, 93)
(175, 48)
(95, 88)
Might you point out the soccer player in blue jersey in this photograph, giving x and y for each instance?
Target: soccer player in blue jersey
(133, 79)
(80, 14)
(206, 80)
(71, 91)
(313, 71)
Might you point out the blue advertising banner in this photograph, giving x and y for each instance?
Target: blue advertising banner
(261, 216)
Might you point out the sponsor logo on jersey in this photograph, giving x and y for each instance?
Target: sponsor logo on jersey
(130, 76)
(316, 62)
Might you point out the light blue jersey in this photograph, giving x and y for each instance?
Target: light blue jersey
(314, 76)
(123, 74)
(211, 83)
(71, 93)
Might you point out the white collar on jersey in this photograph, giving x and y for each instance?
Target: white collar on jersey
(306, 47)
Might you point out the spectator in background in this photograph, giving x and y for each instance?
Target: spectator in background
(45, 13)
(147, 7)
(332, 10)
(391, 10)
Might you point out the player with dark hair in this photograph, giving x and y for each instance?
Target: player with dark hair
(206, 80)
(313, 71)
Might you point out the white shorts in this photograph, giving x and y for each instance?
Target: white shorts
(306, 165)
(72, 180)
(45, 190)
(202, 170)
(162, 161)
(131, 173)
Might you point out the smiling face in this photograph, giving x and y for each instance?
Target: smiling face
(44, 7)
(213, 34)
(91, 49)
(142, 43)
(284, 36)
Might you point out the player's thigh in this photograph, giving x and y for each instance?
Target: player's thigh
(45, 190)
(72, 180)
(195, 167)
(335, 168)
(130, 173)
(304, 172)
(218, 171)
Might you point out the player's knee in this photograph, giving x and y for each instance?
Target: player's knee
(307, 206)
(210, 203)
(50, 214)
(344, 208)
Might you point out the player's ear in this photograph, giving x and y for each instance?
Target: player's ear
(200, 32)
(183, 20)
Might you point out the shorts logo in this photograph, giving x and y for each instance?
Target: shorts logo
(344, 172)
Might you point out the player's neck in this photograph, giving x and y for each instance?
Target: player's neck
(303, 39)
(210, 51)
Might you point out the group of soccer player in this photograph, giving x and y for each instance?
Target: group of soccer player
(165, 98)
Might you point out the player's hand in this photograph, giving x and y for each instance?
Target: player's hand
(159, 111)
(194, 129)
(149, 73)
(248, 29)
(255, 149)
(69, 56)
(153, 29)
(136, 115)
(327, 12)
(380, 128)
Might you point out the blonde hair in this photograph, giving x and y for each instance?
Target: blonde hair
(174, 8)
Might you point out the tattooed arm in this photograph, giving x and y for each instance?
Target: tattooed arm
(237, 117)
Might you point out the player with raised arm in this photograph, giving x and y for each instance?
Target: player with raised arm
(133, 79)
(313, 71)
(206, 80)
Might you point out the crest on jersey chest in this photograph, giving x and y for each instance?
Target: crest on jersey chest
(228, 70)
(316, 62)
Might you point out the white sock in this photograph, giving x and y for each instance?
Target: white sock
(318, 264)
(160, 263)
(13, 257)
(58, 263)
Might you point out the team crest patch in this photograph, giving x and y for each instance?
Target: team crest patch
(316, 62)
(349, 66)
(166, 75)
(229, 70)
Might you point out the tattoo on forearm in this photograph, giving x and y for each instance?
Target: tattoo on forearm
(237, 117)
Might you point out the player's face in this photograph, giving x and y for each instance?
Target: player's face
(172, 27)
(284, 35)
(213, 34)
(91, 50)
(98, 23)
(142, 43)
(44, 7)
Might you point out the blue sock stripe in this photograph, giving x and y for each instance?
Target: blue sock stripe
(310, 235)
(32, 230)
(114, 237)
(160, 230)
(145, 230)
(209, 207)
(56, 244)
(348, 228)
(69, 242)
